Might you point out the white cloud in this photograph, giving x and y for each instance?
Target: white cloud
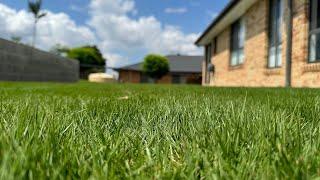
(180, 10)
(112, 25)
(116, 7)
(115, 60)
(120, 33)
(53, 29)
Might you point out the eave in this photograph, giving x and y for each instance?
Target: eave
(231, 13)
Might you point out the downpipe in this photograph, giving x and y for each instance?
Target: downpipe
(289, 44)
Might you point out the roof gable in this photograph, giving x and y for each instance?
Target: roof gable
(231, 13)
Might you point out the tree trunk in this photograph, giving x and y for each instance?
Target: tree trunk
(33, 39)
(34, 34)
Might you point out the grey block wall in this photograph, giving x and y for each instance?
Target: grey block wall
(23, 63)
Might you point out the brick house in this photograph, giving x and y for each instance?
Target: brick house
(263, 43)
(183, 70)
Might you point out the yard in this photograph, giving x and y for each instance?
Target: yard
(156, 131)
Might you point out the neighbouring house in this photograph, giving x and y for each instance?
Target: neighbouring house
(183, 70)
(263, 43)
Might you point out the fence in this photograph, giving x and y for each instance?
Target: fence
(23, 63)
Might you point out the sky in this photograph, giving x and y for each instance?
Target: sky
(124, 30)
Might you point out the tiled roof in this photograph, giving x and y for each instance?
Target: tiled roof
(177, 63)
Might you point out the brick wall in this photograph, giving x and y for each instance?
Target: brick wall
(254, 72)
(129, 76)
(167, 79)
(304, 74)
(23, 63)
(126, 76)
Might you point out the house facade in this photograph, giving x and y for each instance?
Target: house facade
(183, 70)
(263, 43)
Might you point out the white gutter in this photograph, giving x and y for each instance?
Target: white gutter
(229, 18)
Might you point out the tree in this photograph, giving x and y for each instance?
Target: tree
(155, 66)
(87, 55)
(90, 58)
(16, 39)
(35, 9)
(59, 50)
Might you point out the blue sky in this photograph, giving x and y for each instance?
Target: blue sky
(177, 22)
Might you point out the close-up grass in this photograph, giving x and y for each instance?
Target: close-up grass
(107, 131)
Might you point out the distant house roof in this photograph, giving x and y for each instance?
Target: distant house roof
(177, 63)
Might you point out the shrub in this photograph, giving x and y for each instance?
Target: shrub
(90, 55)
(155, 66)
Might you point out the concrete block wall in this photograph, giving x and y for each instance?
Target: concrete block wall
(22, 63)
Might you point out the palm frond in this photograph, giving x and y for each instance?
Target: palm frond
(41, 15)
(35, 7)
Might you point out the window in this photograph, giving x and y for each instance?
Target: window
(275, 34)
(210, 51)
(314, 34)
(145, 78)
(238, 33)
(215, 48)
(208, 62)
(176, 79)
(179, 79)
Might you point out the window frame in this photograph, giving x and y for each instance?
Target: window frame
(208, 52)
(275, 32)
(176, 79)
(214, 46)
(235, 46)
(313, 30)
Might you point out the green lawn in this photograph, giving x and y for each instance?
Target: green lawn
(150, 131)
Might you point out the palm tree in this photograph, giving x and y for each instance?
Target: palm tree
(35, 8)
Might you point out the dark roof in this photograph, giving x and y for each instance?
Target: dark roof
(177, 63)
(229, 6)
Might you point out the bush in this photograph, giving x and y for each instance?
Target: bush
(90, 58)
(89, 55)
(155, 66)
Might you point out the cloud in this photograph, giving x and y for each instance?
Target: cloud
(116, 60)
(115, 7)
(180, 10)
(55, 28)
(122, 36)
(131, 37)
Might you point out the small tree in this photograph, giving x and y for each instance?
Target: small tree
(35, 8)
(90, 58)
(59, 50)
(16, 39)
(87, 55)
(155, 66)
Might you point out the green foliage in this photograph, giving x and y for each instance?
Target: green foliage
(90, 55)
(35, 8)
(59, 50)
(100, 131)
(16, 39)
(155, 66)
